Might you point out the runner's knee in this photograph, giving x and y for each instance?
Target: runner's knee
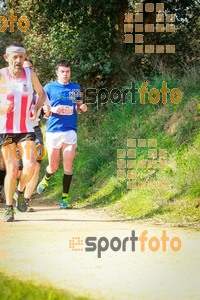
(53, 168)
(29, 167)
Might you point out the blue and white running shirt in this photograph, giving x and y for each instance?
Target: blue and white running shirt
(65, 95)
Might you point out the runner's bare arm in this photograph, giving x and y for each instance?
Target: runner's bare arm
(41, 96)
(39, 90)
(47, 110)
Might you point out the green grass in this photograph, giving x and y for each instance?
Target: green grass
(101, 133)
(15, 289)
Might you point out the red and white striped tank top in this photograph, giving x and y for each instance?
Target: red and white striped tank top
(20, 93)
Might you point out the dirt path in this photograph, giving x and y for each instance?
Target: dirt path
(36, 247)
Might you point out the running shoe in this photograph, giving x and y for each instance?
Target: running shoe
(29, 209)
(20, 203)
(64, 203)
(42, 185)
(9, 214)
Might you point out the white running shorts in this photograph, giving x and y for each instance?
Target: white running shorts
(56, 139)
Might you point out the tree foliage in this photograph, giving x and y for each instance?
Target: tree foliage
(91, 34)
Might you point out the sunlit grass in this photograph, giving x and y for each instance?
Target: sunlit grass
(15, 289)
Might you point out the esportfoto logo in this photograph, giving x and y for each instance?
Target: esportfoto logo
(129, 166)
(144, 242)
(135, 29)
(23, 22)
(102, 96)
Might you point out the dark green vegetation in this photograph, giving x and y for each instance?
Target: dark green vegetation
(14, 289)
(91, 34)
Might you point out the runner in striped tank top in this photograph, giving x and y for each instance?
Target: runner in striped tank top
(17, 115)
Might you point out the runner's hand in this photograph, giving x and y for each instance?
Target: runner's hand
(33, 114)
(47, 110)
(83, 108)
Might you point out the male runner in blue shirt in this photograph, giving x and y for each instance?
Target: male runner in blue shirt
(61, 128)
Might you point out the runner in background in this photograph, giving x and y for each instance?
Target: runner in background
(46, 111)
